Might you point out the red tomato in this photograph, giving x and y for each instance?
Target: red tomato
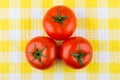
(59, 22)
(41, 52)
(76, 52)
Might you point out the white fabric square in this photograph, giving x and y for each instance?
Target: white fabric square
(14, 76)
(36, 13)
(36, 76)
(14, 35)
(81, 33)
(104, 76)
(104, 57)
(14, 57)
(36, 33)
(103, 34)
(80, 76)
(58, 76)
(102, 12)
(14, 13)
(80, 12)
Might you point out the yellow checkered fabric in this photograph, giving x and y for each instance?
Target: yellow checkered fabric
(97, 20)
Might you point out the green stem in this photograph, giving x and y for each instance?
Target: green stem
(79, 56)
(59, 18)
(38, 53)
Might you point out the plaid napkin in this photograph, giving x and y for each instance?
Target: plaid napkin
(97, 20)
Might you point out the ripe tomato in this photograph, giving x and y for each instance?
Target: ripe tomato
(41, 52)
(59, 22)
(76, 52)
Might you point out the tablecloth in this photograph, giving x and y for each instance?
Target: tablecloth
(97, 20)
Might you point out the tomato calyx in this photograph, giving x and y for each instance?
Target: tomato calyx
(79, 56)
(59, 18)
(37, 54)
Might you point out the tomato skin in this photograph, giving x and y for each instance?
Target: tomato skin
(51, 52)
(71, 45)
(56, 30)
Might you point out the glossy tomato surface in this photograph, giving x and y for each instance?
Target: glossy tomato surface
(41, 52)
(59, 22)
(76, 52)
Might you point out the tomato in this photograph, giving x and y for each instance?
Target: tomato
(59, 22)
(76, 52)
(41, 52)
